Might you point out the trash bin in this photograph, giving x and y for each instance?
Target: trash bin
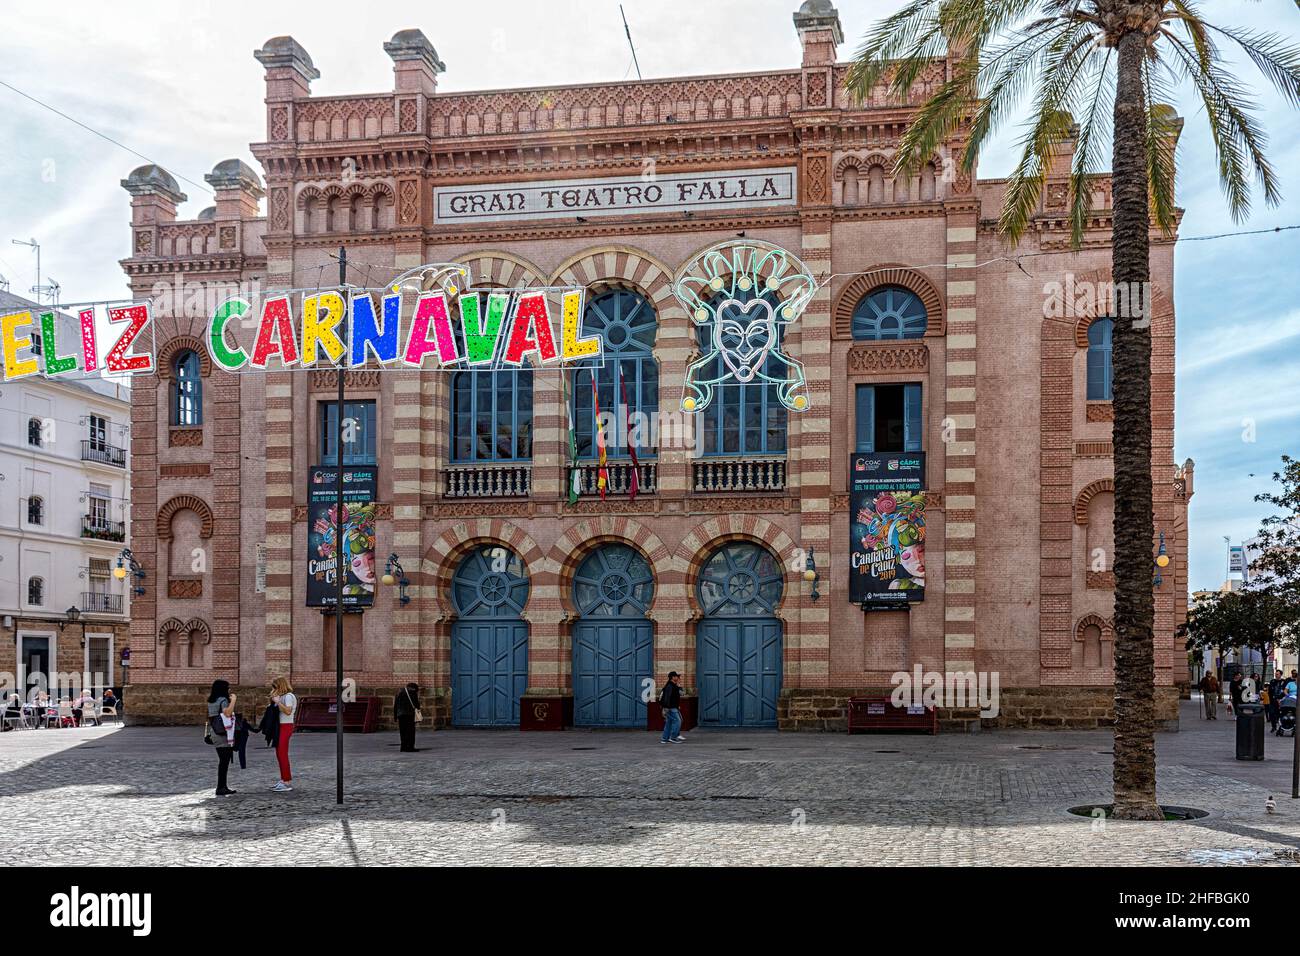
(1250, 731)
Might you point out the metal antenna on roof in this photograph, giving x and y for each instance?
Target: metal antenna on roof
(629, 41)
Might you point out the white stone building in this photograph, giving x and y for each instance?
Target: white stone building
(65, 489)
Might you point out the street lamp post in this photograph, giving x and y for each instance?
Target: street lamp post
(338, 566)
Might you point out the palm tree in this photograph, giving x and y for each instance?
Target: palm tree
(1078, 57)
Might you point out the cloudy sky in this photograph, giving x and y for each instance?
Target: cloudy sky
(178, 83)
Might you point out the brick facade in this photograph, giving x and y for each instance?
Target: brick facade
(1013, 446)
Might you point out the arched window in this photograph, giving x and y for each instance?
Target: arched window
(34, 432)
(889, 312)
(331, 214)
(492, 415)
(309, 216)
(851, 186)
(354, 214)
(1100, 373)
(743, 418)
(36, 592)
(36, 510)
(187, 390)
(627, 323)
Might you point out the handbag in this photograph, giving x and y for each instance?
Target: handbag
(419, 716)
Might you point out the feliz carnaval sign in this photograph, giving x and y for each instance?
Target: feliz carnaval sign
(413, 325)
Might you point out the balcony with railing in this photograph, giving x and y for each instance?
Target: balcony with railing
(102, 453)
(750, 473)
(102, 529)
(619, 475)
(488, 480)
(98, 602)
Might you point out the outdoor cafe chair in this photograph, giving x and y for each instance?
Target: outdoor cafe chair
(89, 713)
(65, 716)
(108, 710)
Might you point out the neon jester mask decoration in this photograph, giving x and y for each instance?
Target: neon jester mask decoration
(746, 293)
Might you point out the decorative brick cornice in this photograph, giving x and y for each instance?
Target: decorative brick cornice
(889, 357)
(175, 346)
(180, 503)
(185, 470)
(1100, 580)
(1100, 412)
(364, 379)
(1107, 628)
(1086, 495)
(887, 274)
(186, 437)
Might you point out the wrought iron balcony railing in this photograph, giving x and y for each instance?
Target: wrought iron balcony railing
(97, 601)
(102, 453)
(102, 529)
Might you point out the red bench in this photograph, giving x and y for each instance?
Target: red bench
(318, 713)
(868, 714)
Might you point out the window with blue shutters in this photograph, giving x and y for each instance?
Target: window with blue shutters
(1100, 372)
(187, 390)
(887, 418)
(359, 432)
(889, 312)
(492, 415)
(627, 323)
(744, 418)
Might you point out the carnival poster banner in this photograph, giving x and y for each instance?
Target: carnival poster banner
(359, 491)
(887, 528)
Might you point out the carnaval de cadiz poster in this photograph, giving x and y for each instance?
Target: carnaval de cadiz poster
(887, 528)
(359, 490)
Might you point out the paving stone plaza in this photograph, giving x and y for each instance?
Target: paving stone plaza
(144, 796)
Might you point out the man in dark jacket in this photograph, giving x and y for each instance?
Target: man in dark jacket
(1210, 695)
(1235, 688)
(670, 701)
(1275, 696)
(405, 704)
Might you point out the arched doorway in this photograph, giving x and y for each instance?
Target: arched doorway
(613, 642)
(738, 640)
(489, 640)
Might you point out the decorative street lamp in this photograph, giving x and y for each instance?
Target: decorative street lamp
(126, 560)
(810, 574)
(73, 613)
(394, 567)
(1161, 561)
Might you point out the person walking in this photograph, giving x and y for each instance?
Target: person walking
(1236, 687)
(1210, 695)
(1273, 706)
(284, 699)
(221, 728)
(670, 701)
(406, 708)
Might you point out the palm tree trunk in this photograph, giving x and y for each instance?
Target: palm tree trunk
(1135, 755)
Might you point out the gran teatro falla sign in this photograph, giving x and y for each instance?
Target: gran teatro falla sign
(615, 195)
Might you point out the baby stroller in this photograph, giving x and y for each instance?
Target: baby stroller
(1286, 716)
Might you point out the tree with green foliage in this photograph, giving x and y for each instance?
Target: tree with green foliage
(1114, 63)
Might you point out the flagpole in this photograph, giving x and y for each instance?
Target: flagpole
(338, 567)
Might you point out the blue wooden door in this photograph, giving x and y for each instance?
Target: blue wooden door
(738, 641)
(489, 641)
(613, 642)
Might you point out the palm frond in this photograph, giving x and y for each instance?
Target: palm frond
(1049, 126)
(1007, 72)
(1161, 145)
(1272, 55)
(1089, 151)
(1238, 140)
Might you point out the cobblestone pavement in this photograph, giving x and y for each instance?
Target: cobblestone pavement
(142, 796)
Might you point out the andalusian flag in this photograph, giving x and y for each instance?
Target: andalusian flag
(575, 472)
(602, 470)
